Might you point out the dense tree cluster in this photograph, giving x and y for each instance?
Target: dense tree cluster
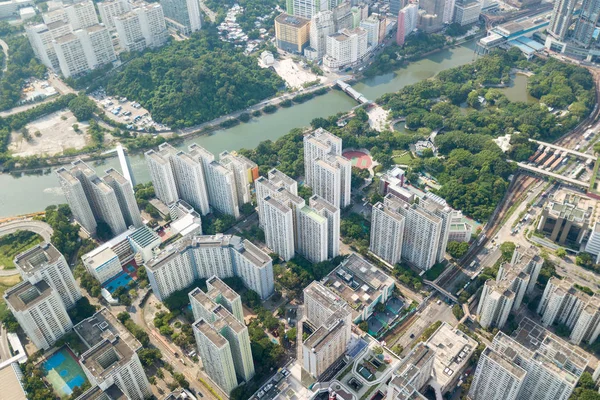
(457, 249)
(193, 81)
(21, 65)
(82, 107)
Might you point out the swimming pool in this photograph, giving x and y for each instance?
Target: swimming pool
(122, 279)
(63, 372)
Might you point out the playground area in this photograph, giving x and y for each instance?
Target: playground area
(359, 159)
(63, 372)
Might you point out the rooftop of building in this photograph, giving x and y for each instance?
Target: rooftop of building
(536, 338)
(56, 24)
(107, 245)
(319, 204)
(222, 288)
(112, 173)
(104, 326)
(571, 206)
(297, 22)
(210, 333)
(506, 364)
(277, 204)
(105, 357)
(323, 335)
(276, 176)
(253, 254)
(453, 349)
(25, 295)
(79, 165)
(99, 258)
(324, 296)
(95, 28)
(37, 257)
(143, 236)
(358, 282)
(111, 393)
(312, 214)
(65, 174)
(390, 211)
(227, 320)
(10, 383)
(151, 154)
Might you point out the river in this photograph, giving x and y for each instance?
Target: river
(31, 193)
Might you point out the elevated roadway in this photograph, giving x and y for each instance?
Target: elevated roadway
(539, 171)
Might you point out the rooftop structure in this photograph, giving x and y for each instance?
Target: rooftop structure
(361, 285)
(104, 326)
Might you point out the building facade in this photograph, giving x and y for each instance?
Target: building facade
(292, 33)
(182, 16)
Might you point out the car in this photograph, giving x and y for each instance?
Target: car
(412, 335)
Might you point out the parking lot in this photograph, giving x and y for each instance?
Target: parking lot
(125, 111)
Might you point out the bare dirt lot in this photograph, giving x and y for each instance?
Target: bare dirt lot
(56, 134)
(293, 74)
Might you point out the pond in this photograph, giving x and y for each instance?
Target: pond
(517, 89)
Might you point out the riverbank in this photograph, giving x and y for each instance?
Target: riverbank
(23, 193)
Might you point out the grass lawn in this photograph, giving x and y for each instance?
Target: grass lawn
(15, 243)
(402, 158)
(6, 282)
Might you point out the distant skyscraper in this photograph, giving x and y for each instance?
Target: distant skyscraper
(278, 221)
(45, 262)
(80, 207)
(312, 234)
(396, 6)
(560, 21)
(433, 18)
(332, 214)
(586, 23)
(182, 15)
(244, 173)
(162, 176)
(321, 26)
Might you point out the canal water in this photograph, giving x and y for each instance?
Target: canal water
(31, 193)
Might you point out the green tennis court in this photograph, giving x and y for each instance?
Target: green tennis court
(63, 372)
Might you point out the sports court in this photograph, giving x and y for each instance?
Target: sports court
(63, 372)
(359, 159)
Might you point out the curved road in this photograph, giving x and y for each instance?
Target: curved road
(39, 227)
(5, 50)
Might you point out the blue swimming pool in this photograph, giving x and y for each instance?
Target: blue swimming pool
(121, 280)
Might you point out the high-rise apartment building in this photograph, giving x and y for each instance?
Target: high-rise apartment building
(244, 172)
(533, 364)
(162, 176)
(278, 220)
(407, 22)
(44, 262)
(306, 8)
(144, 26)
(449, 10)
(111, 362)
(125, 197)
(432, 20)
(375, 27)
(77, 200)
(312, 235)
(42, 36)
(466, 12)
(40, 312)
(563, 303)
(387, 231)
(586, 22)
(223, 340)
(496, 378)
(327, 210)
(109, 9)
(109, 199)
(396, 6)
(345, 48)
(561, 18)
(325, 169)
(182, 16)
(321, 26)
(220, 182)
(332, 319)
(504, 294)
(101, 197)
(81, 15)
(221, 255)
(114, 362)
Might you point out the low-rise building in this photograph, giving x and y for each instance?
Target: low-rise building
(346, 48)
(361, 285)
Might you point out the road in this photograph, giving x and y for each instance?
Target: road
(212, 16)
(58, 84)
(190, 370)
